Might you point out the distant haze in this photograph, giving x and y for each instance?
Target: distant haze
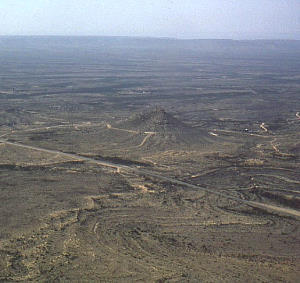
(236, 19)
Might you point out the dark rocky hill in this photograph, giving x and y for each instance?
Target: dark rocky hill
(167, 130)
(157, 120)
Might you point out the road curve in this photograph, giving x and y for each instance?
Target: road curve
(144, 172)
(263, 126)
(149, 135)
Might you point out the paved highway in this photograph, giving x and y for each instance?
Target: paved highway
(144, 172)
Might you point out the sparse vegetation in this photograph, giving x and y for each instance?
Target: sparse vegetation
(223, 120)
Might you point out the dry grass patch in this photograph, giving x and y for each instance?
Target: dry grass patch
(254, 162)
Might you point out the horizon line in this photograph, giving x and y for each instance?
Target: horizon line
(150, 37)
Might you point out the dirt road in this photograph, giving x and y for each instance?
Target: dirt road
(149, 135)
(76, 126)
(263, 126)
(144, 172)
(240, 133)
(109, 126)
(276, 149)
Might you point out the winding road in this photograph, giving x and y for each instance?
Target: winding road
(148, 134)
(263, 126)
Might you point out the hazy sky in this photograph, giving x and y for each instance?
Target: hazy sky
(238, 19)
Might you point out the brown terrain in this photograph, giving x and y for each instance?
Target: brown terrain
(150, 164)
